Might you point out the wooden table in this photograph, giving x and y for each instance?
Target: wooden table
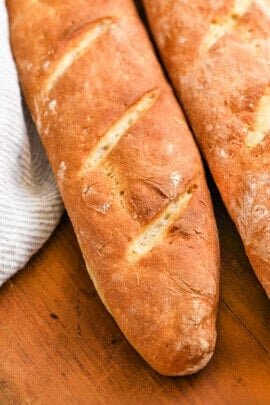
(58, 344)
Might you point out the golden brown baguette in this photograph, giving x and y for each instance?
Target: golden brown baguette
(128, 170)
(218, 57)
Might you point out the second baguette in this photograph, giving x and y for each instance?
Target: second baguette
(217, 54)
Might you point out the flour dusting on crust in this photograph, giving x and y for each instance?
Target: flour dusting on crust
(61, 171)
(253, 213)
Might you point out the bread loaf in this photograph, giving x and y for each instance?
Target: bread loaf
(128, 171)
(218, 56)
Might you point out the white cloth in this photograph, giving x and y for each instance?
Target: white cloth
(30, 204)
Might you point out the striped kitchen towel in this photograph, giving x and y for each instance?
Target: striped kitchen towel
(30, 204)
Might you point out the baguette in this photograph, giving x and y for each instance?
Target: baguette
(217, 55)
(128, 170)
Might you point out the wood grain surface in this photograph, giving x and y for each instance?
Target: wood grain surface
(59, 344)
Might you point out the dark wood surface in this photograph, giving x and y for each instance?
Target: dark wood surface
(59, 345)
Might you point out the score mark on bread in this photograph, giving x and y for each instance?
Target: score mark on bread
(110, 139)
(223, 24)
(156, 230)
(262, 122)
(76, 48)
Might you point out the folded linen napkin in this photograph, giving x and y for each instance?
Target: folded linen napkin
(30, 204)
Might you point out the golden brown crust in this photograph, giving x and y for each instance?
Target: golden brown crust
(128, 170)
(217, 54)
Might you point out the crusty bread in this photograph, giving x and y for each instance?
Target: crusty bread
(218, 57)
(128, 170)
